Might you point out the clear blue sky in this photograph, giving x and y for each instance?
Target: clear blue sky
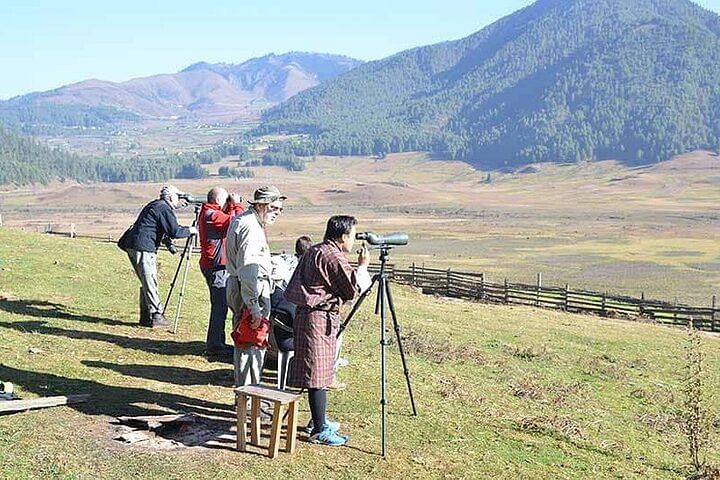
(45, 44)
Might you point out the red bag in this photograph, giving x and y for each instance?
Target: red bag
(244, 335)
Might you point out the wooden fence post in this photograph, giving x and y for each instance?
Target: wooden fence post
(566, 299)
(482, 286)
(413, 275)
(447, 283)
(715, 326)
(675, 311)
(507, 296)
(602, 308)
(642, 304)
(537, 289)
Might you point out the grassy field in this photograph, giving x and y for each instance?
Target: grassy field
(600, 226)
(502, 392)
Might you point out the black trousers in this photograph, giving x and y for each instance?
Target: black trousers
(216, 282)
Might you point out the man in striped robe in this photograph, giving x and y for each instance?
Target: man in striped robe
(321, 283)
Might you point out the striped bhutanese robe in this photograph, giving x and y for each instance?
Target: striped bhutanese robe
(321, 283)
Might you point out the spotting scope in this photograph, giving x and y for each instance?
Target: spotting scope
(389, 239)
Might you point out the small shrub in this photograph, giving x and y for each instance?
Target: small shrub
(451, 389)
(530, 352)
(440, 352)
(695, 415)
(551, 424)
(663, 423)
(555, 394)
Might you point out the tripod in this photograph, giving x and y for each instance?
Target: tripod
(185, 256)
(383, 299)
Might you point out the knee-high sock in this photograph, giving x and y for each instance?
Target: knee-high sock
(317, 398)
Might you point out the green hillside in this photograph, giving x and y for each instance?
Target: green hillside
(560, 80)
(502, 392)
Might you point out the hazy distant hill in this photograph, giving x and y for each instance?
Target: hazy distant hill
(206, 92)
(560, 80)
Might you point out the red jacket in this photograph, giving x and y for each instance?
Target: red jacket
(213, 223)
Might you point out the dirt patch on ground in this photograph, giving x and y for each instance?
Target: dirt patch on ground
(188, 431)
(421, 344)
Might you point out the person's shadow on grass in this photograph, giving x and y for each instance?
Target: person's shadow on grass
(150, 345)
(168, 373)
(45, 309)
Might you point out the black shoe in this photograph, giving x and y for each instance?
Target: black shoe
(159, 320)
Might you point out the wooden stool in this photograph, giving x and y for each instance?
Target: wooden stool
(279, 399)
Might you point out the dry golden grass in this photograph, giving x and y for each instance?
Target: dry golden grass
(600, 226)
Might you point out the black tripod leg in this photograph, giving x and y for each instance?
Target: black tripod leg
(177, 272)
(380, 305)
(396, 326)
(182, 290)
(357, 306)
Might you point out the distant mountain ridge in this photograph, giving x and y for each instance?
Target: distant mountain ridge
(279, 77)
(202, 91)
(559, 80)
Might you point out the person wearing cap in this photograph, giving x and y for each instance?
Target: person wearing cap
(249, 268)
(156, 224)
(213, 222)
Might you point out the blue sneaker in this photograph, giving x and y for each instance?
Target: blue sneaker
(334, 426)
(328, 437)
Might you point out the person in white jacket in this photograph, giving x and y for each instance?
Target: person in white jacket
(250, 281)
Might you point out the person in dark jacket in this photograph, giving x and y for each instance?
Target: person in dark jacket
(213, 222)
(156, 224)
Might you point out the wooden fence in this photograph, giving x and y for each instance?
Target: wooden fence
(474, 286)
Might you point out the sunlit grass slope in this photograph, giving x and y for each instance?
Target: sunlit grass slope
(502, 392)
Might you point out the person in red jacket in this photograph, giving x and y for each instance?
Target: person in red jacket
(213, 221)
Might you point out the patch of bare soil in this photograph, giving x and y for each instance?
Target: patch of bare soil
(169, 432)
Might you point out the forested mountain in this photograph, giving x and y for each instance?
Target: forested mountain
(560, 80)
(203, 92)
(24, 161)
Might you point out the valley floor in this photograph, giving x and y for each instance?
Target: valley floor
(601, 226)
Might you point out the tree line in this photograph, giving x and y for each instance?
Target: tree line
(24, 161)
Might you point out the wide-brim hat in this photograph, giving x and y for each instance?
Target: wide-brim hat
(266, 194)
